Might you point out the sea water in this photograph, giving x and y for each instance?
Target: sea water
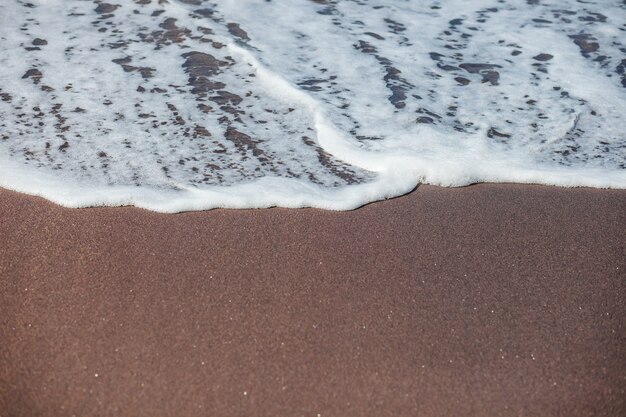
(176, 105)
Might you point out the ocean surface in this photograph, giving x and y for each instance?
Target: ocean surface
(176, 105)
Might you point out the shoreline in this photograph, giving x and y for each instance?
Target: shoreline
(491, 299)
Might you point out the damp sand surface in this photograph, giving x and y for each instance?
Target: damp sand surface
(487, 300)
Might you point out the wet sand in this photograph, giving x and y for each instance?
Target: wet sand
(490, 300)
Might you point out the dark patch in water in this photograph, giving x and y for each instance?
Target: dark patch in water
(486, 70)
(237, 31)
(586, 43)
(144, 71)
(34, 74)
(199, 64)
(106, 8)
(243, 142)
(543, 57)
(493, 133)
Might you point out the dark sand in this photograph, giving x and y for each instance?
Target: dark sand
(492, 300)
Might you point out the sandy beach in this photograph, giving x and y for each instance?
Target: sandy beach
(491, 300)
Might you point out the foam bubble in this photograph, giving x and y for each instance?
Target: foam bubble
(191, 105)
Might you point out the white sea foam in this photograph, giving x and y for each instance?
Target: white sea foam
(191, 104)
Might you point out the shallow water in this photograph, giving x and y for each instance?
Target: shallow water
(183, 105)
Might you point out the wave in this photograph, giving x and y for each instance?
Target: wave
(193, 105)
